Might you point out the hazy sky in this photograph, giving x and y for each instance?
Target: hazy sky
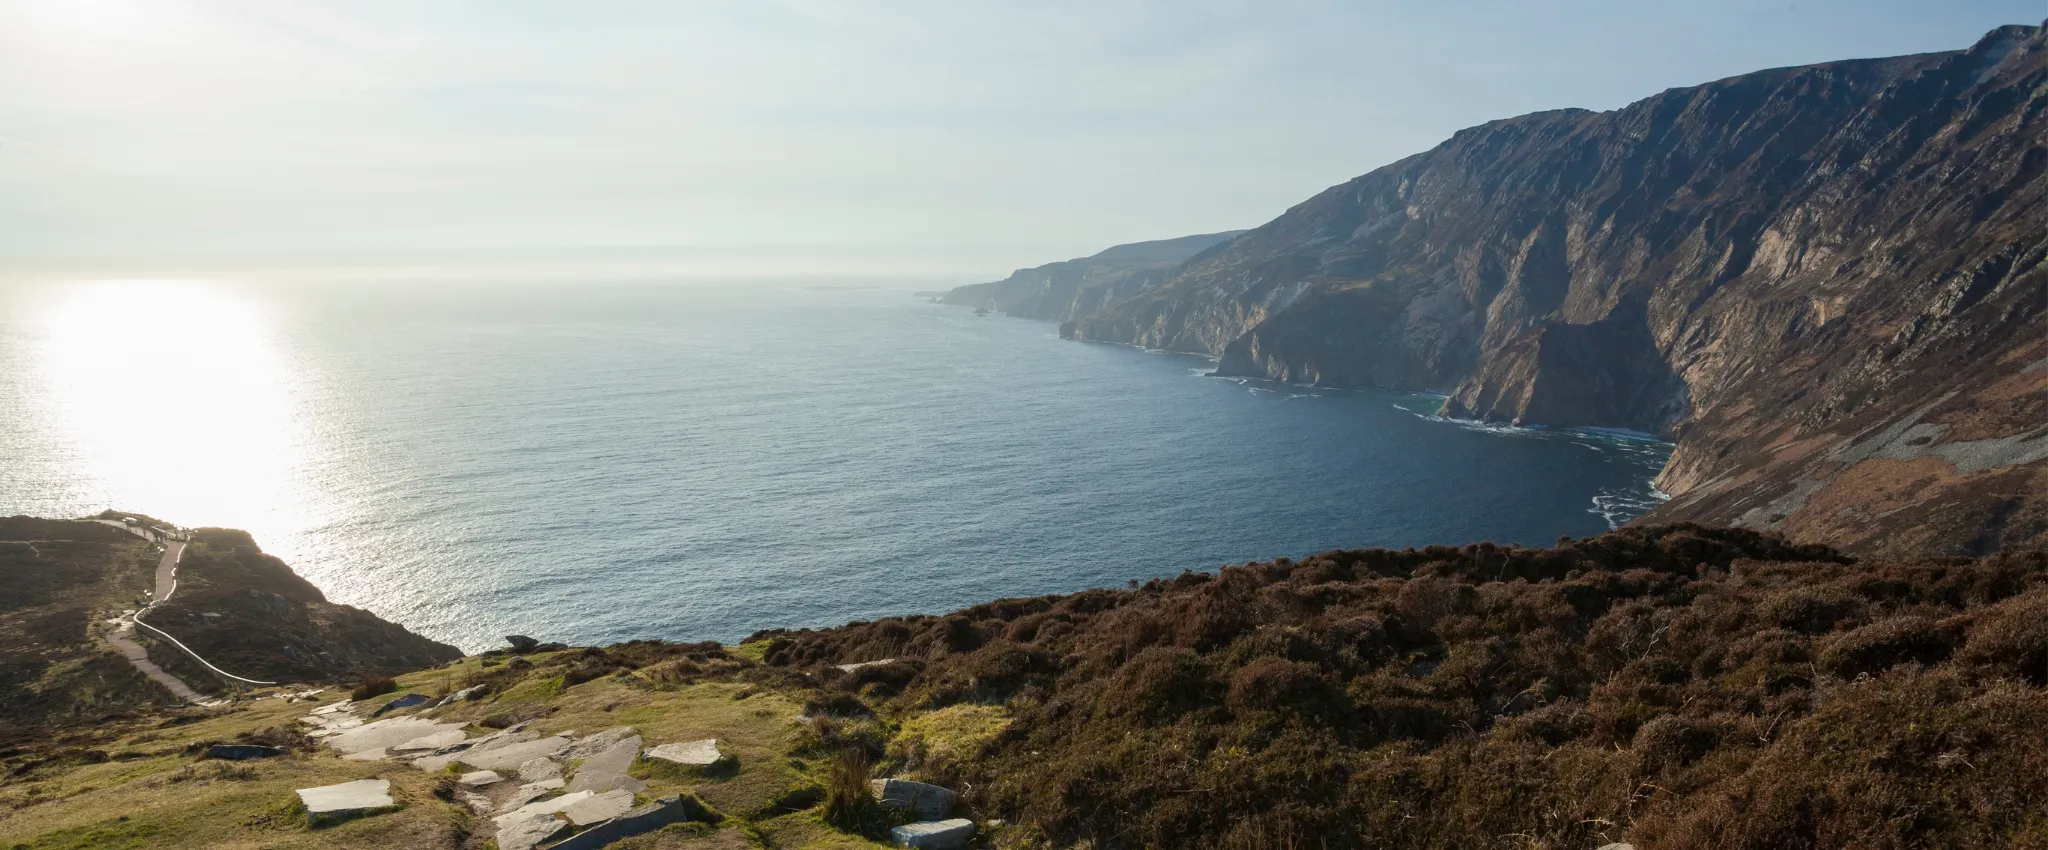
(758, 136)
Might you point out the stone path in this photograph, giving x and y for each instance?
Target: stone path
(120, 635)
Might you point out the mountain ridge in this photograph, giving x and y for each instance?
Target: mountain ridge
(1797, 257)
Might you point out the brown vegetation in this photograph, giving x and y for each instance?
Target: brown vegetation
(1678, 686)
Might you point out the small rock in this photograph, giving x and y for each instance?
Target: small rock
(529, 832)
(934, 835)
(695, 753)
(602, 807)
(329, 803)
(238, 752)
(926, 801)
(521, 643)
(480, 778)
(535, 770)
(1617, 846)
(848, 668)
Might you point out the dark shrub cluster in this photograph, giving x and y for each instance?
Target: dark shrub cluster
(1676, 686)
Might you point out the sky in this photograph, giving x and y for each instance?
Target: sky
(930, 137)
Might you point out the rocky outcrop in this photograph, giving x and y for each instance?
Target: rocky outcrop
(1784, 271)
(1060, 291)
(249, 613)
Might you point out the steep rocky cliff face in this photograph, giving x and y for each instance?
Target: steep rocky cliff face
(1829, 284)
(1060, 291)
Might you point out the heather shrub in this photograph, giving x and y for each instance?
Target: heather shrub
(1673, 686)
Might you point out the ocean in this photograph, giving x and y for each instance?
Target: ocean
(598, 462)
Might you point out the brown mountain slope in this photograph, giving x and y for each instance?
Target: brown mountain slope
(1829, 283)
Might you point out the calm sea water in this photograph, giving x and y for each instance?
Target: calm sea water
(596, 463)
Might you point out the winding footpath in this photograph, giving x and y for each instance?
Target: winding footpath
(121, 632)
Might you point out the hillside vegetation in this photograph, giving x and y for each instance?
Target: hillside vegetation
(1670, 686)
(1675, 686)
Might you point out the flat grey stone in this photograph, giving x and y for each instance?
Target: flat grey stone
(404, 701)
(695, 753)
(535, 770)
(602, 807)
(653, 816)
(502, 738)
(479, 779)
(926, 801)
(848, 668)
(377, 754)
(1617, 846)
(432, 764)
(592, 745)
(511, 756)
(528, 793)
(598, 773)
(387, 733)
(543, 807)
(443, 738)
(238, 752)
(623, 782)
(934, 835)
(530, 832)
(348, 799)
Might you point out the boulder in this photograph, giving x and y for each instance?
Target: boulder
(927, 802)
(521, 643)
(530, 832)
(694, 753)
(330, 803)
(599, 773)
(480, 778)
(653, 816)
(602, 807)
(934, 835)
(238, 752)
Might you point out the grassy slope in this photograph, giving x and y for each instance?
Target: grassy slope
(153, 792)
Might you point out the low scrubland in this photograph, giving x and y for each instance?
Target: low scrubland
(1673, 686)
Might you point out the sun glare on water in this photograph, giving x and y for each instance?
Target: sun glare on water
(173, 398)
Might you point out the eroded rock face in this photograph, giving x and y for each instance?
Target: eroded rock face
(1767, 268)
